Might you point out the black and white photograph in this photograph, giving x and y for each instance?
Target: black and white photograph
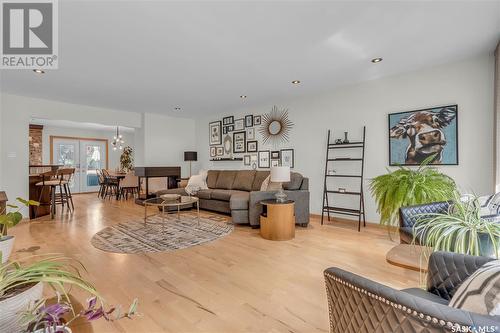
(246, 160)
(228, 120)
(249, 121)
(213, 151)
(252, 146)
(220, 151)
(275, 163)
(215, 133)
(275, 155)
(251, 133)
(239, 124)
(257, 120)
(264, 159)
(287, 158)
(239, 142)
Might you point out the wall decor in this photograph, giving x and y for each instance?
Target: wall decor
(228, 120)
(275, 163)
(346, 140)
(246, 160)
(249, 121)
(264, 159)
(239, 124)
(251, 133)
(239, 139)
(213, 152)
(275, 127)
(215, 130)
(287, 158)
(254, 165)
(417, 135)
(230, 128)
(256, 120)
(275, 155)
(228, 144)
(252, 146)
(220, 151)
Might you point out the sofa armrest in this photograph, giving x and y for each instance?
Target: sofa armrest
(357, 304)
(448, 270)
(301, 198)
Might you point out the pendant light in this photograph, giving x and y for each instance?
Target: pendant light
(118, 141)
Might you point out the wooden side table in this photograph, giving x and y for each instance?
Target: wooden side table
(277, 221)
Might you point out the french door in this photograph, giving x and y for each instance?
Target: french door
(85, 155)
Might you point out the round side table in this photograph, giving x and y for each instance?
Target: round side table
(277, 221)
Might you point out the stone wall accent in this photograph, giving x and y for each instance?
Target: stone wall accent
(35, 144)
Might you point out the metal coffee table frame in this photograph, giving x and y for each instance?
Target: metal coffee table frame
(161, 204)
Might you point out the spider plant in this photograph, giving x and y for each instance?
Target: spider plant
(461, 230)
(12, 218)
(406, 187)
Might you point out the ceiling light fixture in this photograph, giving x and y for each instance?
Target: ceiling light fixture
(243, 96)
(177, 108)
(117, 140)
(39, 71)
(295, 81)
(375, 60)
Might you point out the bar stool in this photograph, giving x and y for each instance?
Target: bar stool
(50, 181)
(65, 175)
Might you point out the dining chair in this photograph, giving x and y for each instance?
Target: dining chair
(102, 183)
(112, 183)
(129, 185)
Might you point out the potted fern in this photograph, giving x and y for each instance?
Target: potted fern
(407, 187)
(461, 230)
(9, 220)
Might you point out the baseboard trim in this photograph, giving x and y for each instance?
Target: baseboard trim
(368, 223)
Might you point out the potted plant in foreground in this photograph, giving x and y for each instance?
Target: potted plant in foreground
(407, 187)
(21, 285)
(461, 230)
(9, 220)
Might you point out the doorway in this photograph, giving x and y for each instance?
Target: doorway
(86, 155)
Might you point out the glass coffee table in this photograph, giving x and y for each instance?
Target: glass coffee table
(163, 206)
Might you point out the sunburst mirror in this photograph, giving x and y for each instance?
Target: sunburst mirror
(276, 126)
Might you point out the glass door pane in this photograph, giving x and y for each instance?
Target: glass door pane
(93, 157)
(67, 152)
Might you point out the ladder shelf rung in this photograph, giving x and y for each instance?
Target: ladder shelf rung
(345, 192)
(345, 159)
(346, 176)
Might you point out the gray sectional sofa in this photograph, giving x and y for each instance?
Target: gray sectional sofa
(237, 192)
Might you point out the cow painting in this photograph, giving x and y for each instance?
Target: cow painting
(417, 135)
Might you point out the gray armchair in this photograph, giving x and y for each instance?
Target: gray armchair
(357, 304)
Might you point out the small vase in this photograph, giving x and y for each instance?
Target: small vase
(6, 245)
(346, 140)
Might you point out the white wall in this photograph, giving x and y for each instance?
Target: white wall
(468, 83)
(16, 114)
(166, 139)
(113, 156)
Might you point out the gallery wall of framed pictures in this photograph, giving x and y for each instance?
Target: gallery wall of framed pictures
(259, 141)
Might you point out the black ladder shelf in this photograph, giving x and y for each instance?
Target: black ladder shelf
(360, 213)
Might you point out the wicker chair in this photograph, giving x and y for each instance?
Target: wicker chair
(357, 304)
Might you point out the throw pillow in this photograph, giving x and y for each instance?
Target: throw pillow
(480, 292)
(268, 185)
(196, 183)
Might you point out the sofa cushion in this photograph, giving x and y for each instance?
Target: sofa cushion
(244, 180)
(212, 176)
(419, 292)
(260, 176)
(223, 195)
(239, 200)
(226, 179)
(295, 182)
(204, 194)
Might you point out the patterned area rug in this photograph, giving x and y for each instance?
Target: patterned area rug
(159, 236)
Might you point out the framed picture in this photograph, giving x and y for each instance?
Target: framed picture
(224, 130)
(213, 152)
(287, 158)
(239, 139)
(239, 124)
(264, 159)
(230, 128)
(249, 121)
(228, 144)
(215, 130)
(252, 146)
(275, 155)
(417, 135)
(275, 163)
(246, 160)
(256, 120)
(251, 133)
(228, 120)
(254, 158)
(220, 151)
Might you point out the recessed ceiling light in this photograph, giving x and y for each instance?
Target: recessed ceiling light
(39, 71)
(375, 60)
(295, 81)
(177, 108)
(243, 96)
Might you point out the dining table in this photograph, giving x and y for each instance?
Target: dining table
(118, 175)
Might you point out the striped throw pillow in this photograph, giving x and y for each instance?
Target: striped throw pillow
(480, 292)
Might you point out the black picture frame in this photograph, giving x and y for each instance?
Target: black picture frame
(239, 124)
(275, 155)
(213, 151)
(257, 120)
(230, 128)
(261, 165)
(286, 153)
(237, 141)
(246, 160)
(249, 120)
(450, 121)
(224, 129)
(220, 151)
(251, 143)
(228, 120)
(217, 127)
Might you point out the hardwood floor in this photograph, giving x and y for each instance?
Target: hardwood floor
(240, 283)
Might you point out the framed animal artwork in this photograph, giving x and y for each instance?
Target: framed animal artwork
(432, 133)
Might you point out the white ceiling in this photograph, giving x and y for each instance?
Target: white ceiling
(151, 56)
(80, 125)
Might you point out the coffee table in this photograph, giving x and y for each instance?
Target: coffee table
(163, 205)
(414, 257)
